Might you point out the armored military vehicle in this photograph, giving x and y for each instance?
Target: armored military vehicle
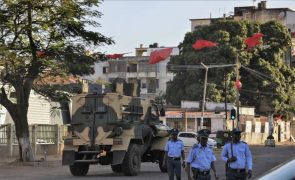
(114, 129)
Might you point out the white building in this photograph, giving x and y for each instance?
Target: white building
(153, 78)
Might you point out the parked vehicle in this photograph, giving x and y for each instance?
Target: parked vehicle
(222, 137)
(190, 138)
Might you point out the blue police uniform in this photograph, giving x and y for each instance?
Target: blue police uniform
(237, 169)
(200, 158)
(174, 149)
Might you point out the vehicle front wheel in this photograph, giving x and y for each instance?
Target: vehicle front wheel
(132, 161)
(79, 169)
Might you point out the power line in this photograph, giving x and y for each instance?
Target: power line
(250, 91)
(260, 76)
(196, 67)
(256, 72)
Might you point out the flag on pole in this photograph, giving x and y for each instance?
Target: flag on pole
(200, 44)
(253, 40)
(159, 55)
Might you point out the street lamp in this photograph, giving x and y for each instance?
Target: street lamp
(204, 94)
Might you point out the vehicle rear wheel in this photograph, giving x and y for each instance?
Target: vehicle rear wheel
(79, 169)
(161, 161)
(117, 168)
(132, 161)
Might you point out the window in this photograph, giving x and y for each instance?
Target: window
(206, 122)
(131, 113)
(104, 70)
(187, 135)
(143, 85)
(132, 68)
(152, 83)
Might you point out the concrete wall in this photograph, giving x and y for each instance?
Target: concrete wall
(254, 138)
(253, 135)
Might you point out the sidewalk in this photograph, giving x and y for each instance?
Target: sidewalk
(51, 160)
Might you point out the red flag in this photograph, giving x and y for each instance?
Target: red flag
(253, 40)
(200, 44)
(159, 55)
(114, 56)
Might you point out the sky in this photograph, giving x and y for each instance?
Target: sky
(134, 22)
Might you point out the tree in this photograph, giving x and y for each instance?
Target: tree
(40, 38)
(271, 78)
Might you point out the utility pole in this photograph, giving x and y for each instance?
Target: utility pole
(225, 100)
(238, 92)
(197, 67)
(204, 94)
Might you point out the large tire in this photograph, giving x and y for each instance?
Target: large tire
(161, 161)
(132, 161)
(117, 168)
(79, 169)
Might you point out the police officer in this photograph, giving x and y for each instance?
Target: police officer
(201, 158)
(174, 152)
(238, 158)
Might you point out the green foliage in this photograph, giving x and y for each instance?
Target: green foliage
(276, 81)
(58, 29)
(44, 38)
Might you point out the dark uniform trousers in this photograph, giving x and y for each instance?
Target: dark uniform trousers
(174, 166)
(236, 174)
(201, 175)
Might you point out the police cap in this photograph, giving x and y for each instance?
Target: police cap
(236, 131)
(204, 133)
(174, 131)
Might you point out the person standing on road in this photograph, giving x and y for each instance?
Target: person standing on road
(174, 152)
(201, 158)
(238, 158)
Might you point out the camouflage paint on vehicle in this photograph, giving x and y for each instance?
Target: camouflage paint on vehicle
(110, 128)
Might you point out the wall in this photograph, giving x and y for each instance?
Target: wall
(98, 72)
(290, 20)
(39, 112)
(199, 22)
(254, 135)
(216, 124)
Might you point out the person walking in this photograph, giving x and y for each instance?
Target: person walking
(238, 158)
(201, 158)
(174, 152)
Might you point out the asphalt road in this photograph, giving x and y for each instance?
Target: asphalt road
(264, 160)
